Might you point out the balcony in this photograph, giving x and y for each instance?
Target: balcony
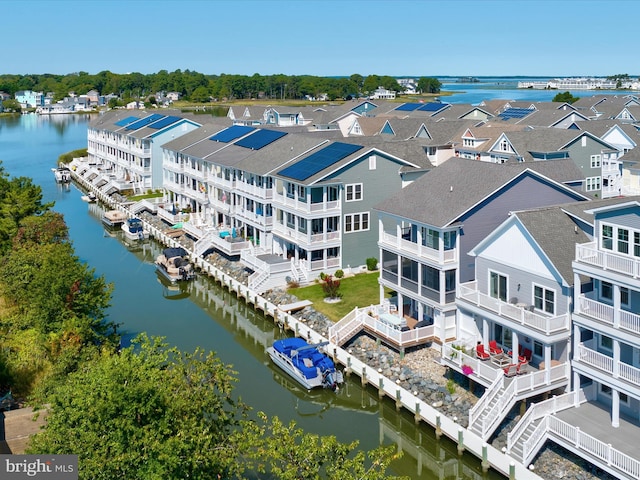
(255, 191)
(589, 254)
(607, 365)
(300, 206)
(513, 313)
(307, 239)
(605, 314)
(400, 245)
(254, 218)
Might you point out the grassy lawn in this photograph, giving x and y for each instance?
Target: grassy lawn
(358, 291)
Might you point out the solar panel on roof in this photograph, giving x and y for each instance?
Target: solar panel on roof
(164, 122)
(431, 107)
(408, 107)
(125, 121)
(230, 134)
(260, 139)
(318, 161)
(515, 113)
(144, 122)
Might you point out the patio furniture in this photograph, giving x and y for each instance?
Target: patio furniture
(522, 368)
(501, 360)
(511, 370)
(481, 353)
(494, 349)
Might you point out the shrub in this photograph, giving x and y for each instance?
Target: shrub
(451, 386)
(331, 287)
(339, 273)
(293, 284)
(322, 276)
(372, 263)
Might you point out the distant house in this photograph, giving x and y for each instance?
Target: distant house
(29, 98)
(382, 93)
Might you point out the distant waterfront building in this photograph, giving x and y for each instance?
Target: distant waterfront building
(571, 84)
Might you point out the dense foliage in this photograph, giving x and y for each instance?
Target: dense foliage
(565, 97)
(200, 88)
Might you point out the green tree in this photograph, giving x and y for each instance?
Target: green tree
(565, 97)
(12, 105)
(148, 412)
(429, 85)
(50, 287)
(201, 95)
(288, 453)
(19, 198)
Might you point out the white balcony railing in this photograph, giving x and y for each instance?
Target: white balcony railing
(588, 253)
(545, 324)
(606, 364)
(306, 238)
(283, 200)
(604, 313)
(401, 245)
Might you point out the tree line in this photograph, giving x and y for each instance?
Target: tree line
(148, 411)
(201, 88)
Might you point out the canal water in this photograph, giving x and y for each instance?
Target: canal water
(201, 314)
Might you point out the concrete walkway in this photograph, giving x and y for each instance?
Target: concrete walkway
(16, 426)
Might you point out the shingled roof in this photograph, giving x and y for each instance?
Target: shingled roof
(443, 194)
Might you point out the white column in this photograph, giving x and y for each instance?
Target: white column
(442, 287)
(616, 358)
(514, 346)
(576, 389)
(616, 305)
(485, 332)
(615, 408)
(400, 312)
(547, 362)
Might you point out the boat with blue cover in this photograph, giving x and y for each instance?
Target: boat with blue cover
(134, 230)
(305, 363)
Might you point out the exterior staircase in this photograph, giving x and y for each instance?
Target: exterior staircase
(487, 415)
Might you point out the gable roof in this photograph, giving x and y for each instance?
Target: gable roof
(445, 193)
(556, 235)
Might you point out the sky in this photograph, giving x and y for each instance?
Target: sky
(434, 38)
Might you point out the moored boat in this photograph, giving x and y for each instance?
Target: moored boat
(62, 174)
(174, 266)
(305, 363)
(114, 218)
(134, 230)
(90, 197)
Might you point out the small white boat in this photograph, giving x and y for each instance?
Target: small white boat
(62, 174)
(174, 266)
(134, 230)
(113, 218)
(305, 363)
(90, 197)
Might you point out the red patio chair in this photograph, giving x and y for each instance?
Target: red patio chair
(526, 355)
(511, 370)
(481, 353)
(522, 367)
(494, 349)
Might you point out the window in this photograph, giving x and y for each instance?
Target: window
(372, 162)
(623, 240)
(353, 192)
(636, 244)
(544, 299)
(498, 286)
(430, 238)
(449, 240)
(606, 290)
(606, 342)
(356, 222)
(624, 296)
(595, 161)
(430, 278)
(593, 183)
(607, 237)
(606, 390)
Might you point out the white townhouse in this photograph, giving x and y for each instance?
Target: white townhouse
(606, 319)
(124, 148)
(514, 319)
